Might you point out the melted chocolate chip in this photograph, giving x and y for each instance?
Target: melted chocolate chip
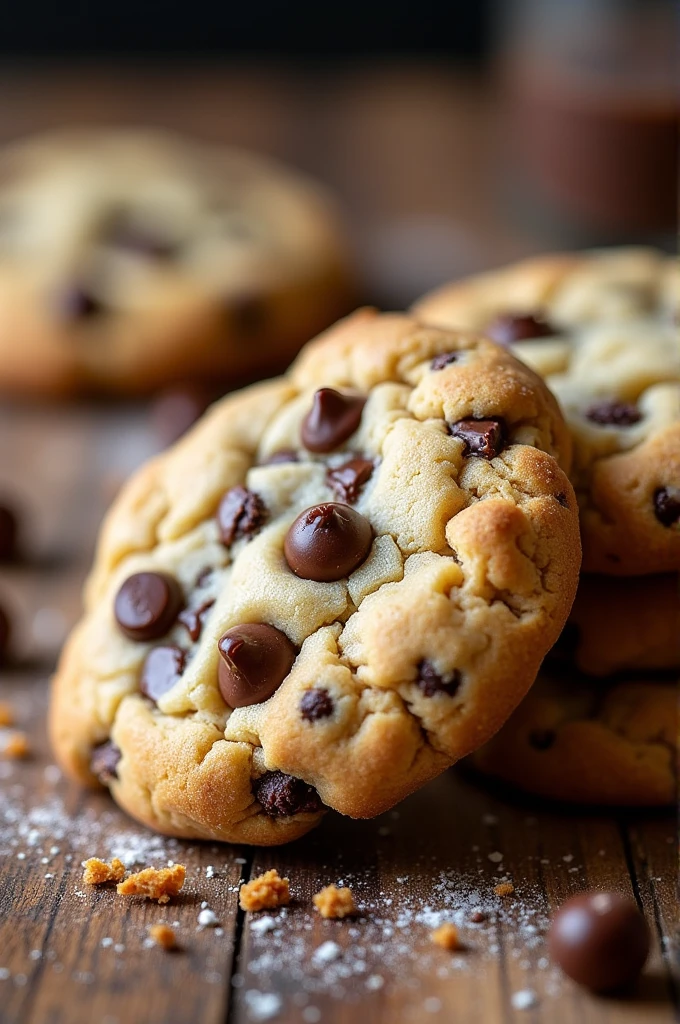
(667, 505)
(77, 303)
(104, 762)
(443, 360)
(147, 605)
(5, 631)
(484, 439)
(542, 739)
(161, 670)
(8, 534)
(281, 796)
(316, 704)
(562, 499)
(240, 514)
(600, 939)
(283, 455)
(348, 479)
(332, 419)
(123, 232)
(614, 414)
(508, 328)
(431, 682)
(255, 659)
(192, 618)
(327, 542)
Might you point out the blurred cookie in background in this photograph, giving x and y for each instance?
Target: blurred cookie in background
(135, 260)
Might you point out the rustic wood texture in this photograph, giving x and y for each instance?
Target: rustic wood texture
(402, 148)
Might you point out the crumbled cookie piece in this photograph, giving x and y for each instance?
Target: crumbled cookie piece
(15, 746)
(154, 883)
(504, 889)
(163, 935)
(6, 713)
(446, 936)
(265, 892)
(98, 872)
(335, 902)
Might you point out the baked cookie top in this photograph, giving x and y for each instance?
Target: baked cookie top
(337, 584)
(603, 330)
(569, 740)
(130, 259)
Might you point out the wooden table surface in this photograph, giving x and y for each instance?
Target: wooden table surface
(70, 954)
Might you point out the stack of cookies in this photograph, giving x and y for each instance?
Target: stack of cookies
(600, 726)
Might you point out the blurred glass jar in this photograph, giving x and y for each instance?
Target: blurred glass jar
(590, 106)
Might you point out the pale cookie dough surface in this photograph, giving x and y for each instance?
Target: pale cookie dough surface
(132, 259)
(403, 666)
(619, 625)
(590, 744)
(610, 338)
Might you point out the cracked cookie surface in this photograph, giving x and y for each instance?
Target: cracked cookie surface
(586, 743)
(132, 259)
(335, 586)
(602, 329)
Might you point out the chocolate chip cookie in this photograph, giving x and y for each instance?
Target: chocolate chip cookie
(338, 583)
(602, 329)
(130, 260)
(618, 625)
(590, 744)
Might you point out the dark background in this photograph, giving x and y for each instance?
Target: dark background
(301, 29)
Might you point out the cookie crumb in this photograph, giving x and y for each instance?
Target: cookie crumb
(163, 935)
(504, 889)
(6, 714)
(16, 746)
(98, 872)
(154, 883)
(265, 892)
(446, 936)
(335, 902)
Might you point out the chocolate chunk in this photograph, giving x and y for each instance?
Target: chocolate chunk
(241, 512)
(562, 499)
(122, 231)
(332, 419)
(316, 704)
(5, 631)
(484, 439)
(443, 360)
(431, 682)
(327, 542)
(281, 795)
(174, 411)
(161, 670)
(104, 762)
(600, 939)
(614, 414)
(667, 505)
(255, 659)
(78, 303)
(508, 328)
(8, 534)
(477, 917)
(348, 479)
(192, 618)
(542, 739)
(147, 605)
(283, 455)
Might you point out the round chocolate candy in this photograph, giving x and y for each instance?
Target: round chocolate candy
(147, 605)
(255, 659)
(161, 670)
(600, 939)
(327, 542)
(332, 419)
(8, 534)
